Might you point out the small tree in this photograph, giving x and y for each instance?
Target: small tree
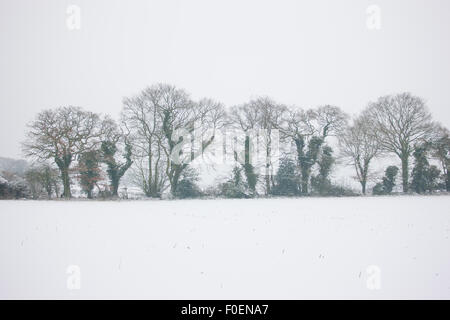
(89, 172)
(235, 187)
(433, 178)
(42, 178)
(389, 178)
(61, 135)
(399, 122)
(187, 186)
(359, 146)
(388, 181)
(33, 179)
(287, 179)
(12, 187)
(424, 175)
(50, 180)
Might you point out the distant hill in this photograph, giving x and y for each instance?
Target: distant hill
(16, 166)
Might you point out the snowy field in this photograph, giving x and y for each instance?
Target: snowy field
(223, 249)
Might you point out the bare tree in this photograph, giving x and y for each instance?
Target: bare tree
(359, 146)
(400, 121)
(163, 120)
(308, 131)
(329, 120)
(115, 140)
(62, 135)
(42, 178)
(33, 177)
(264, 116)
(140, 117)
(186, 123)
(246, 118)
(271, 117)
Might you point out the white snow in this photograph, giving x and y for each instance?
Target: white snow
(227, 249)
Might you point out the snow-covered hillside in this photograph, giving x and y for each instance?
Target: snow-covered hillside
(387, 247)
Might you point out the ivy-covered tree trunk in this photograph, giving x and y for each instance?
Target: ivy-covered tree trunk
(304, 178)
(115, 170)
(268, 175)
(364, 174)
(66, 182)
(363, 187)
(307, 159)
(405, 171)
(115, 187)
(268, 183)
(299, 145)
(175, 177)
(364, 177)
(63, 164)
(249, 170)
(89, 172)
(174, 181)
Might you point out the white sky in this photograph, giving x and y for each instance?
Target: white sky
(305, 53)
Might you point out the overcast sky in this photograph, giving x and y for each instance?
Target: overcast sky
(305, 53)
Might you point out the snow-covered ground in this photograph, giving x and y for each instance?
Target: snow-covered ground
(240, 249)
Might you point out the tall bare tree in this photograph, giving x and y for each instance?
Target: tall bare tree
(163, 120)
(186, 123)
(400, 121)
(258, 119)
(140, 116)
(245, 118)
(62, 135)
(359, 146)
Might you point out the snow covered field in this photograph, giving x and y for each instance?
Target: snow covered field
(223, 249)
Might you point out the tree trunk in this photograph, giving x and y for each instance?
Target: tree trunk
(173, 188)
(63, 164)
(267, 181)
(405, 171)
(447, 181)
(249, 171)
(56, 189)
(115, 188)
(251, 177)
(268, 163)
(175, 178)
(66, 183)
(305, 180)
(364, 174)
(300, 144)
(49, 193)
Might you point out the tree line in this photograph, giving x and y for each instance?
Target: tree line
(70, 144)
